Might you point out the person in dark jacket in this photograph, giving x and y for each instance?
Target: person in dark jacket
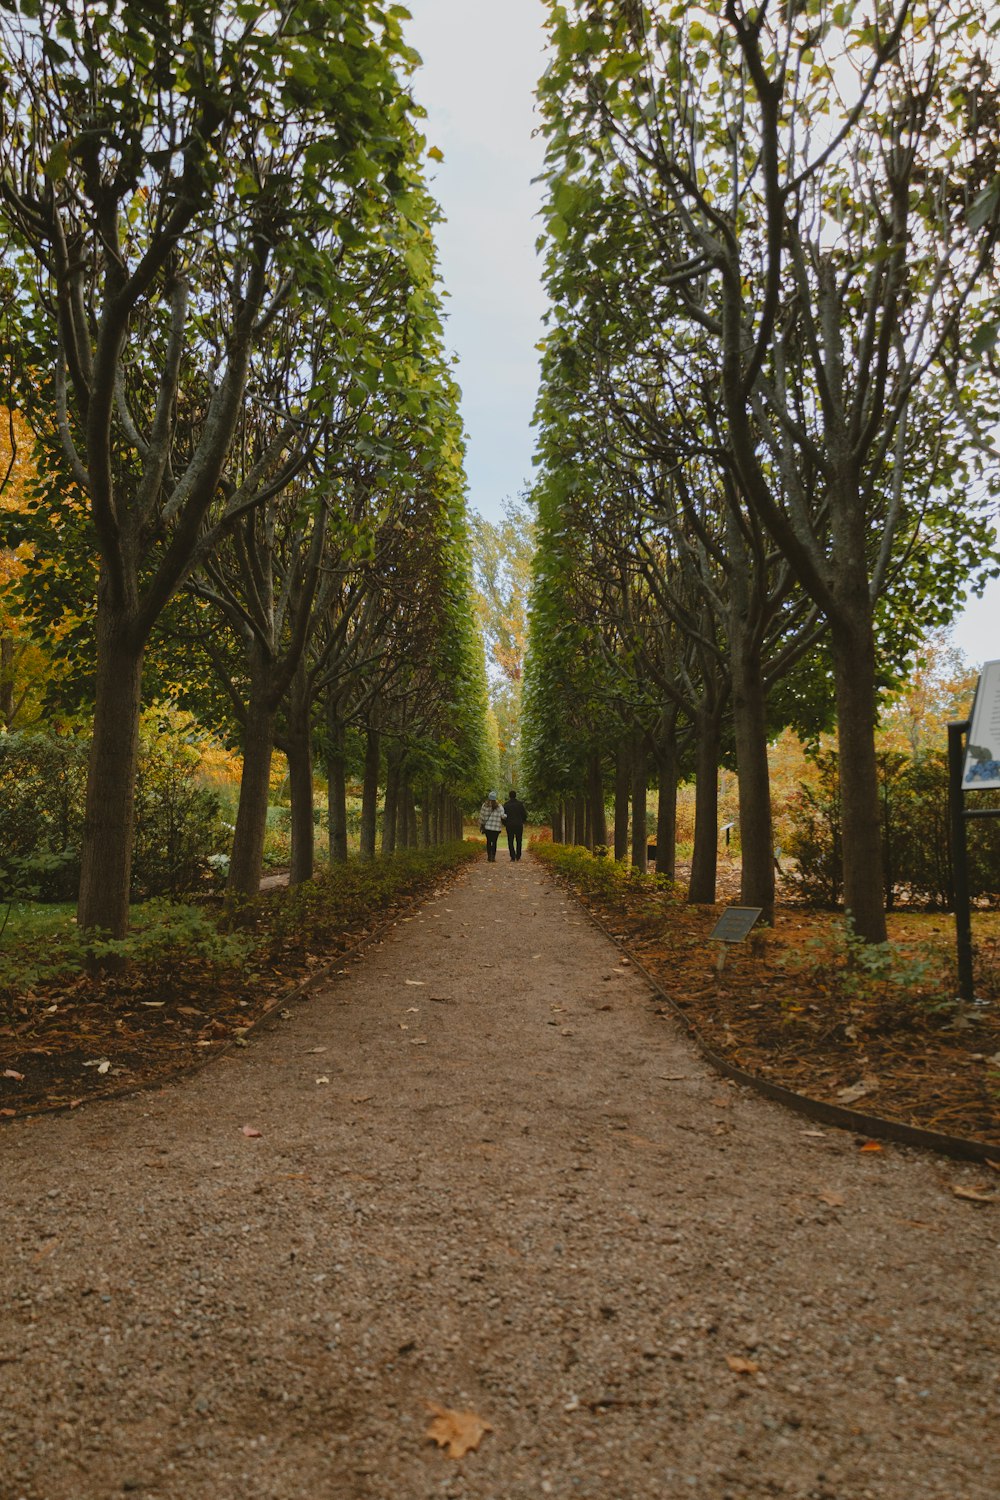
(517, 816)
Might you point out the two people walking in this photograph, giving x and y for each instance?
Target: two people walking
(492, 818)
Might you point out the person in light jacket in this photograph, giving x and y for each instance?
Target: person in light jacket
(491, 820)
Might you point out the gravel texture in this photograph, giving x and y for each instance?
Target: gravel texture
(489, 1176)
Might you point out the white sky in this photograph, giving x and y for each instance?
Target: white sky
(482, 61)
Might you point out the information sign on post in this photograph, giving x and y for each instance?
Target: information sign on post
(982, 748)
(735, 924)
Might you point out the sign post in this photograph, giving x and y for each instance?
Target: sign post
(732, 927)
(972, 768)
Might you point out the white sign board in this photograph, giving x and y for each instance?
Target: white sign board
(982, 750)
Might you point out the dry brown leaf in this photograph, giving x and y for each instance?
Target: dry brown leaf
(458, 1431)
(834, 1200)
(975, 1194)
(741, 1366)
(8, 1114)
(12, 1073)
(252, 1132)
(870, 1146)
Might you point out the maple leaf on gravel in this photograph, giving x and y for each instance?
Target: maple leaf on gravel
(458, 1431)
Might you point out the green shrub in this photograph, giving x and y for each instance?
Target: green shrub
(916, 834)
(43, 784)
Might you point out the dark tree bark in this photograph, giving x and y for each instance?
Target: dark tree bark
(390, 805)
(595, 796)
(336, 782)
(369, 795)
(705, 856)
(750, 730)
(109, 831)
(666, 801)
(6, 680)
(640, 858)
(580, 819)
(860, 813)
(558, 824)
(251, 816)
(623, 786)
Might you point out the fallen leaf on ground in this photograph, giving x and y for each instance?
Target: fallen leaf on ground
(741, 1366)
(975, 1194)
(313, 1051)
(252, 1132)
(361, 1098)
(323, 1079)
(415, 981)
(8, 1114)
(12, 1073)
(870, 1146)
(834, 1200)
(458, 1431)
(857, 1090)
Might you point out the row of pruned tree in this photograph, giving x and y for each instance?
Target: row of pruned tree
(766, 466)
(223, 327)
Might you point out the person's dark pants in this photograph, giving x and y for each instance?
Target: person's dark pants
(514, 836)
(492, 834)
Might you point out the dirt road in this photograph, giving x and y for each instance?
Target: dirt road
(488, 1176)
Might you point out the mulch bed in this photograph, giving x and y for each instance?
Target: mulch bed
(786, 1007)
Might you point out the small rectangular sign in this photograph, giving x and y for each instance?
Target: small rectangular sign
(982, 749)
(734, 924)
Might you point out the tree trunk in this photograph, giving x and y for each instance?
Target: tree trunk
(425, 819)
(109, 820)
(854, 674)
(247, 860)
(569, 820)
(640, 859)
(369, 795)
(390, 805)
(750, 729)
(580, 819)
(666, 797)
(297, 745)
(623, 782)
(336, 783)
(6, 680)
(595, 792)
(409, 811)
(705, 856)
(558, 826)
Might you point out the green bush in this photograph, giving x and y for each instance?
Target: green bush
(43, 783)
(916, 835)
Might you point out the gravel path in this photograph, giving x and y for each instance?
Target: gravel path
(504, 1187)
